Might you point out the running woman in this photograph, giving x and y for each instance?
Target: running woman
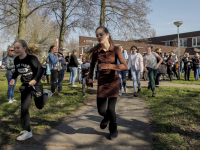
(106, 54)
(122, 74)
(151, 67)
(31, 72)
(85, 69)
(135, 63)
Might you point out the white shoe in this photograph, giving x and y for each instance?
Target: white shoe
(14, 100)
(120, 93)
(125, 90)
(48, 92)
(10, 101)
(24, 135)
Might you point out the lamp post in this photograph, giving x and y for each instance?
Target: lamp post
(178, 24)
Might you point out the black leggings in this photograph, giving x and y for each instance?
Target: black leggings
(158, 78)
(187, 74)
(26, 97)
(54, 79)
(110, 110)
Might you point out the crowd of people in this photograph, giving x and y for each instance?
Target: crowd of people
(109, 63)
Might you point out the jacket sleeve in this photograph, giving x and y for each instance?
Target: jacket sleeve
(8, 65)
(141, 63)
(129, 61)
(119, 67)
(92, 65)
(125, 55)
(16, 73)
(53, 59)
(76, 61)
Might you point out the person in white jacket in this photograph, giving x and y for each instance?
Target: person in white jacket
(135, 63)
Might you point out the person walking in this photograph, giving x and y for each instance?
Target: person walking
(85, 69)
(135, 63)
(161, 68)
(61, 73)
(54, 63)
(187, 66)
(170, 65)
(106, 54)
(122, 74)
(10, 69)
(151, 67)
(79, 68)
(31, 72)
(73, 65)
(196, 66)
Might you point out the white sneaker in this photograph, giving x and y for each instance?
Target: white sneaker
(14, 100)
(10, 101)
(24, 135)
(120, 93)
(49, 93)
(125, 90)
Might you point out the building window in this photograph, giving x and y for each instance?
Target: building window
(183, 42)
(196, 41)
(167, 43)
(85, 49)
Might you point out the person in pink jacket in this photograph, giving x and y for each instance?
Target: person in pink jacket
(135, 63)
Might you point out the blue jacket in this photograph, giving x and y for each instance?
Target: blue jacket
(53, 59)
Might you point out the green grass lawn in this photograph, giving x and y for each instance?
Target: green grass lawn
(175, 117)
(55, 110)
(182, 80)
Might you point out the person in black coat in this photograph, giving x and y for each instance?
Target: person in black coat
(196, 66)
(170, 65)
(67, 59)
(161, 68)
(187, 66)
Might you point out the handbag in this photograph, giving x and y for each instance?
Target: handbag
(48, 72)
(59, 66)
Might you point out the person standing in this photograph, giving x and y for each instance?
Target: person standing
(196, 66)
(31, 71)
(10, 69)
(187, 66)
(61, 73)
(54, 63)
(151, 67)
(122, 74)
(79, 68)
(170, 65)
(106, 54)
(161, 68)
(135, 63)
(85, 70)
(73, 64)
(175, 61)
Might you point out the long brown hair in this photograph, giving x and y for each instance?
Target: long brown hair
(50, 48)
(105, 30)
(30, 49)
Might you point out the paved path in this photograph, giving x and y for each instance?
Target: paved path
(82, 131)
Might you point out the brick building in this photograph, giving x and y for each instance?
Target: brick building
(86, 43)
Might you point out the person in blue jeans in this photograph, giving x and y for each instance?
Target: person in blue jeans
(122, 74)
(10, 66)
(61, 73)
(73, 64)
(196, 66)
(135, 63)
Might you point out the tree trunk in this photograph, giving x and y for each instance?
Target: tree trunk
(63, 22)
(103, 12)
(22, 20)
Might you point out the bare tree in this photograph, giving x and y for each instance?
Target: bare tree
(17, 11)
(152, 33)
(71, 14)
(72, 44)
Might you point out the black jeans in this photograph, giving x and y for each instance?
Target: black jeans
(84, 82)
(26, 96)
(158, 78)
(54, 79)
(187, 74)
(110, 110)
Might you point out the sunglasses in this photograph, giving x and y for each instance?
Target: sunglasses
(100, 34)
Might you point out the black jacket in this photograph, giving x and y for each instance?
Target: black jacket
(169, 66)
(195, 63)
(73, 61)
(187, 63)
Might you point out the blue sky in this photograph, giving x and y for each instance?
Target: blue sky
(165, 12)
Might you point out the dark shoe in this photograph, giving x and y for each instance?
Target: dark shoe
(113, 131)
(59, 90)
(139, 90)
(104, 123)
(153, 94)
(157, 86)
(135, 94)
